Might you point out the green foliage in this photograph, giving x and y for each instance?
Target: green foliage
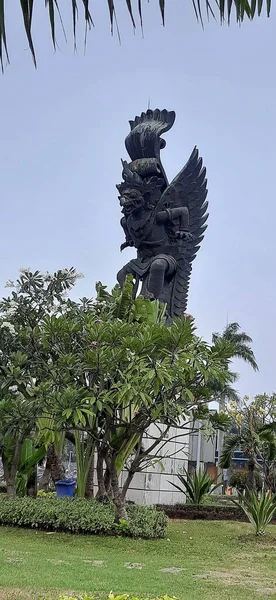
(196, 485)
(24, 363)
(103, 371)
(145, 521)
(239, 480)
(46, 495)
(240, 341)
(81, 516)
(259, 511)
(221, 10)
(30, 456)
(254, 436)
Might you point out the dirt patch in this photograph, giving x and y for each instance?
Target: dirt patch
(133, 566)
(53, 561)
(94, 563)
(242, 577)
(171, 570)
(15, 559)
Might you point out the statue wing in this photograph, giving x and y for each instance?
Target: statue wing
(188, 189)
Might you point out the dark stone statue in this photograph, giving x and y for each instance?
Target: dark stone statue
(164, 222)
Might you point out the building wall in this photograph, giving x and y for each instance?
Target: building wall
(153, 486)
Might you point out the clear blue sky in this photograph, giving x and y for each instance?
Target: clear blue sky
(62, 137)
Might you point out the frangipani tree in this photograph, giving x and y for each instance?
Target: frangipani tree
(117, 369)
(23, 360)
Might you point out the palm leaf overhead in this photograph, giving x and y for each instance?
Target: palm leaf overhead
(241, 343)
(222, 10)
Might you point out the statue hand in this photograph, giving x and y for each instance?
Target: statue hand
(126, 244)
(184, 235)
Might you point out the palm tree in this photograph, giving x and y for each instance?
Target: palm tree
(240, 341)
(255, 441)
(221, 9)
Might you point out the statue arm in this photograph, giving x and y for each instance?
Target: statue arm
(129, 241)
(178, 216)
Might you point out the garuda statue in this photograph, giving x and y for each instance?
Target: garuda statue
(164, 222)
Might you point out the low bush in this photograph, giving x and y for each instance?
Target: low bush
(260, 511)
(48, 495)
(239, 480)
(203, 512)
(146, 521)
(81, 516)
(196, 486)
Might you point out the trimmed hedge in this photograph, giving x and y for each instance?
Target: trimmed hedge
(81, 516)
(204, 512)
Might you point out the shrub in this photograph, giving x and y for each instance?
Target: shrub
(81, 516)
(48, 495)
(146, 521)
(196, 486)
(259, 511)
(239, 480)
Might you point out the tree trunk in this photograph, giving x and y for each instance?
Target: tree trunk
(56, 467)
(89, 490)
(44, 482)
(101, 493)
(10, 471)
(32, 484)
(118, 496)
(107, 483)
(251, 474)
(127, 483)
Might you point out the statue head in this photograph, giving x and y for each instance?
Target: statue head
(136, 191)
(131, 199)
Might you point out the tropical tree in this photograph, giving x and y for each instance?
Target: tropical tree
(266, 406)
(23, 360)
(115, 370)
(221, 9)
(253, 437)
(241, 343)
(101, 371)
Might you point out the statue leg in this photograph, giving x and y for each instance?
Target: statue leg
(121, 276)
(156, 277)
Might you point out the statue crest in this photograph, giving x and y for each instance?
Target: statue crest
(164, 222)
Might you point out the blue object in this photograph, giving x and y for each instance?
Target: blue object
(66, 488)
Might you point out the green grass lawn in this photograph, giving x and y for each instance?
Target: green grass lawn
(219, 560)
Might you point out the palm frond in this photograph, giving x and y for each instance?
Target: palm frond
(221, 9)
(230, 442)
(240, 342)
(247, 355)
